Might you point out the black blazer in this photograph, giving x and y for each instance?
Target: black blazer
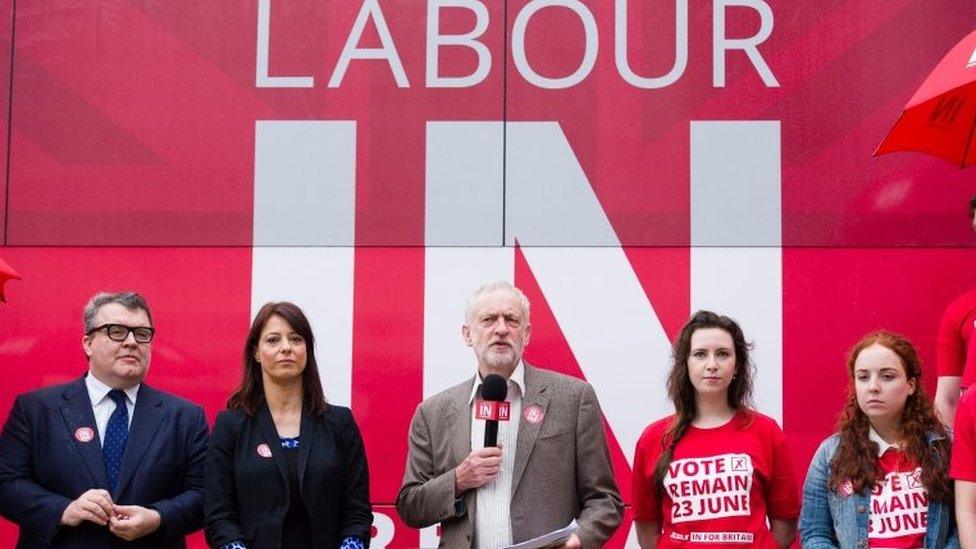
(45, 464)
(247, 494)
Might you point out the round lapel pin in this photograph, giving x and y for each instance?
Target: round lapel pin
(533, 414)
(84, 434)
(264, 450)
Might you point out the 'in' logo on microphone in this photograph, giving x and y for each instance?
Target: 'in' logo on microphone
(492, 410)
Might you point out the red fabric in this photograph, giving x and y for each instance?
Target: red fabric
(721, 480)
(6, 273)
(899, 504)
(955, 333)
(969, 368)
(940, 119)
(942, 126)
(964, 441)
(954, 70)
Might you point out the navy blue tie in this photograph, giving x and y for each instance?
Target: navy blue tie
(116, 433)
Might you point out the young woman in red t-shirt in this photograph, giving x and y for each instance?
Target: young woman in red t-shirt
(714, 473)
(881, 480)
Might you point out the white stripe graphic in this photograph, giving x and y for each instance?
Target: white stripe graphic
(613, 331)
(463, 184)
(735, 190)
(304, 183)
(451, 276)
(320, 281)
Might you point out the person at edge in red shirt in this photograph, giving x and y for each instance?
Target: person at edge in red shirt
(881, 480)
(711, 475)
(963, 469)
(956, 348)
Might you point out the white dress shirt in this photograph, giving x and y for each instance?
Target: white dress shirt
(103, 406)
(493, 525)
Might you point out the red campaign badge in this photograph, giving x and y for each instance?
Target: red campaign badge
(533, 414)
(84, 434)
(264, 450)
(492, 410)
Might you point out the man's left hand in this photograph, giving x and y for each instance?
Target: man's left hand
(572, 543)
(132, 521)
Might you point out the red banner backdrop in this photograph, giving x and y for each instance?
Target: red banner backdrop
(358, 157)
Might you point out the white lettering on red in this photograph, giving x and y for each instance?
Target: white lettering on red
(710, 487)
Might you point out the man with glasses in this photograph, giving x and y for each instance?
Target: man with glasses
(106, 460)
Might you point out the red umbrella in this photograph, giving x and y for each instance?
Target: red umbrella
(6, 273)
(941, 116)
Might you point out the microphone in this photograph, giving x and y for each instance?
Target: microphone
(493, 388)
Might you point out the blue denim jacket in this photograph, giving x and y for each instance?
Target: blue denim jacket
(829, 519)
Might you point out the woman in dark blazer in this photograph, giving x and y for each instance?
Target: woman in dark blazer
(285, 469)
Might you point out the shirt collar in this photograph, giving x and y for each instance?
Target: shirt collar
(517, 378)
(883, 445)
(98, 391)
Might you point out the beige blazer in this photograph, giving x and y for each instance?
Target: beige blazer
(562, 464)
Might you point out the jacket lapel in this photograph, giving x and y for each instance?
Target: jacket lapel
(536, 395)
(271, 438)
(306, 437)
(457, 419)
(147, 420)
(78, 416)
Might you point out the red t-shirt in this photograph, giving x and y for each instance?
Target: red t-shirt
(969, 367)
(899, 504)
(964, 441)
(721, 484)
(955, 338)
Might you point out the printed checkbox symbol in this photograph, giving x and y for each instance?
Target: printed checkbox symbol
(914, 481)
(739, 464)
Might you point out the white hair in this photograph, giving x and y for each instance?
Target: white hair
(491, 287)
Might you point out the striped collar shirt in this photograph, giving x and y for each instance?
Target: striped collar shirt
(103, 406)
(493, 525)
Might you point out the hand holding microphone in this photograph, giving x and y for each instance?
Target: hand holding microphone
(477, 469)
(480, 466)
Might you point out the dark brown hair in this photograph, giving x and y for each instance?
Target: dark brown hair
(250, 393)
(682, 392)
(855, 459)
(128, 299)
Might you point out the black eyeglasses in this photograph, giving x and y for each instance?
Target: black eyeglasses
(119, 332)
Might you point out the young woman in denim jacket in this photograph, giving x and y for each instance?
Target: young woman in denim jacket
(882, 480)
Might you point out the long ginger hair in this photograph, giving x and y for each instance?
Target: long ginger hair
(855, 459)
(682, 392)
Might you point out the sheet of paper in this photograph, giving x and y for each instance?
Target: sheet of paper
(545, 540)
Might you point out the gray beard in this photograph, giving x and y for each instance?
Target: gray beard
(502, 361)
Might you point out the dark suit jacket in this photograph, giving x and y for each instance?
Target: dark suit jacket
(43, 466)
(247, 495)
(562, 466)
